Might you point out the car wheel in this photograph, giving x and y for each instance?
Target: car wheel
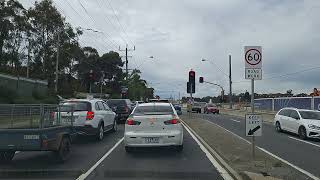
(302, 133)
(64, 150)
(278, 127)
(128, 149)
(100, 134)
(115, 126)
(179, 148)
(7, 155)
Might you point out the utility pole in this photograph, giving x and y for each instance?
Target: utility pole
(134, 48)
(57, 64)
(28, 62)
(230, 84)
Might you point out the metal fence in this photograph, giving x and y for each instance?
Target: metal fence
(24, 116)
(275, 104)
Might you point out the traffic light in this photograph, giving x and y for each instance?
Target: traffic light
(192, 76)
(200, 79)
(91, 76)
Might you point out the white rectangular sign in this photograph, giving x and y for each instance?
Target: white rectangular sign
(253, 74)
(253, 57)
(253, 124)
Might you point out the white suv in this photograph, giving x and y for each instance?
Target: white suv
(91, 116)
(305, 123)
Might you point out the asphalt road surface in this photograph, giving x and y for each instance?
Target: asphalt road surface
(304, 154)
(143, 163)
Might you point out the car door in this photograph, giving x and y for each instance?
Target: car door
(293, 121)
(283, 116)
(110, 115)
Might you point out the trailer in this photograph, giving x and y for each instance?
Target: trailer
(35, 128)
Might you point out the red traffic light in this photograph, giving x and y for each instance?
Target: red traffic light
(192, 73)
(201, 79)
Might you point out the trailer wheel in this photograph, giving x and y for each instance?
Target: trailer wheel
(7, 155)
(64, 150)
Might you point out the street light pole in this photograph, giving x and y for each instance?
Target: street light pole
(230, 84)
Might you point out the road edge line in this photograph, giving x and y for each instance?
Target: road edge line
(223, 168)
(86, 174)
(310, 143)
(273, 155)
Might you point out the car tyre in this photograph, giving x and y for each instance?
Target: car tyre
(128, 149)
(115, 126)
(6, 156)
(278, 127)
(64, 150)
(100, 134)
(302, 133)
(179, 148)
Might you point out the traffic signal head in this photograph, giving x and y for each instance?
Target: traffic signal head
(200, 79)
(192, 76)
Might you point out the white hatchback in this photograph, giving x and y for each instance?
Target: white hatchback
(153, 124)
(305, 123)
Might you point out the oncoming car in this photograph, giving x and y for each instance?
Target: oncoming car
(153, 124)
(305, 123)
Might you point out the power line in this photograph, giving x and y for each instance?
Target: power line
(119, 22)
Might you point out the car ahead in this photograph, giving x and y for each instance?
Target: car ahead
(122, 107)
(305, 123)
(159, 100)
(196, 107)
(211, 108)
(90, 116)
(153, 124)
(178, 108)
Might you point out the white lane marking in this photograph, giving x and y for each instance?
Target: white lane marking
(304, 141)
(235, 120)
(296, 167)
(273, 155)
(220, 169)
(85, 175)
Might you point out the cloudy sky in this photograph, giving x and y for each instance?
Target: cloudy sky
(179, 33)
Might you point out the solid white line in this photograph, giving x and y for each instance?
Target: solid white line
(304, 141)
(296, 167)
(85, 175)
(235, 120)
(273, 155)
(220, 169)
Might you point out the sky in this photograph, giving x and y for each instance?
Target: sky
(179, 33)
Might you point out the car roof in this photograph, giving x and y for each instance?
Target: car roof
(155, 104)
(83, 100)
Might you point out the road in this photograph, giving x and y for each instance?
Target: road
(154, 163)
(304, 154)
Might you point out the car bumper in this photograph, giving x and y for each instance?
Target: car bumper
(313, 133)
(87, 130)
(138, 139)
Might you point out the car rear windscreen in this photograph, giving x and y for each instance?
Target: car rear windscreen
(77, 105)
(115, 103)
(153, 110)
(310, 115)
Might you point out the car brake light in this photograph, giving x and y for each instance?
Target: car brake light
(133, 122)
(90, 115)
(172, 121)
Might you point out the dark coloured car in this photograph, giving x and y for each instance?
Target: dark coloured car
(122, 107)
(178, 108)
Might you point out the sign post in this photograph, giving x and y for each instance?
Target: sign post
(253, 70)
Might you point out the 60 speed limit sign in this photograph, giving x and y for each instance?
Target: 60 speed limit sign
(253, 57)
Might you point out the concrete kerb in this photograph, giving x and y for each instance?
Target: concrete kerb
(219, 159)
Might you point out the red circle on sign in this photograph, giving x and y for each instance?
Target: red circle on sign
(257, 61)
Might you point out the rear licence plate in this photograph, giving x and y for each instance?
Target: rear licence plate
(152, 140)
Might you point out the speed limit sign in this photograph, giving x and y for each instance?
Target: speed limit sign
(253, 57)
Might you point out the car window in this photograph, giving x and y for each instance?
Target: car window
(77, 105)
(100, 104)
(106, 106)
(153, 110)
(310, 115)
(294, 114)
(97, 106)
(116, 102)
(285, 112)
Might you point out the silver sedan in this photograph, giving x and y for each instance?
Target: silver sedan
(153, 124)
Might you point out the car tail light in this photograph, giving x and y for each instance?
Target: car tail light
(172, 121)
(133, 122)
(90, 115)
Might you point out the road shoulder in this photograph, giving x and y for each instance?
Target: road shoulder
(237, 153)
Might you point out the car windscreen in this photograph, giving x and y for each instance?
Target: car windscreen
(77, 106)
(115, 103)
(153, 110)
(310, 115)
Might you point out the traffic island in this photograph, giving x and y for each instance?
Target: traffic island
(268, 116)
(235, 154)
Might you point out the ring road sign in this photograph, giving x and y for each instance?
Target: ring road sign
(253, 57)
(253, 125)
